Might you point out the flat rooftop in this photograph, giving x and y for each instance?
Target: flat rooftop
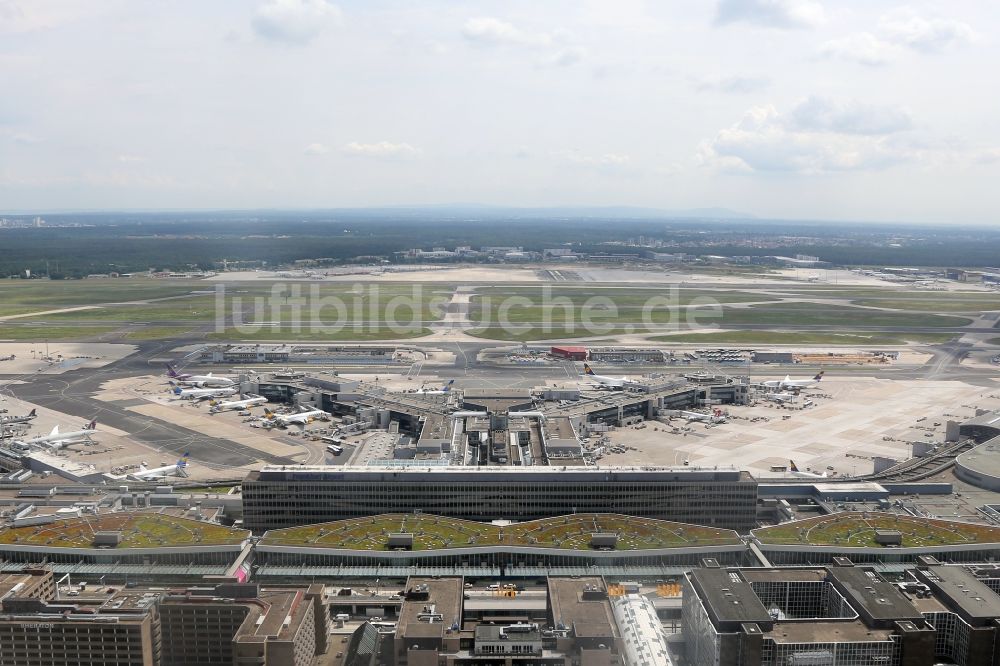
(138, 530)
(449, 474)
(871, 595)
(437, 532)
(728, 597)
(975, 600)
(445, 594)
(855, 529)
(817, 631)
(590, 617)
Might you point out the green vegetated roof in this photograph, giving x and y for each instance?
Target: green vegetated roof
(138, 530)
(854, 529)
(436, 532)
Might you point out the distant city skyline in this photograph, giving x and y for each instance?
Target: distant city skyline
(807, 109)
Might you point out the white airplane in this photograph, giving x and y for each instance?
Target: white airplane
(789, 383)
(793, 468)
(200, 381)
(444, 389)
(300, 418)
(147, 474)
(715, 417)
(201, 393)
(780, 398)
(56, 440)
(246, 403)
(602, 381)
(11, 420)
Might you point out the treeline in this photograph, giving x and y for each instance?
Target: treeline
(129, 243)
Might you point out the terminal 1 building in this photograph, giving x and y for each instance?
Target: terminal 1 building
(277, 496)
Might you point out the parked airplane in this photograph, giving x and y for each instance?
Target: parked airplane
(146, 474)
(715, 417)
(793, 468)
(198, 380)
(300, 418)
(444, 389)
(244, 403)
(201, 393)
(603, 382)
(780, 398)
(789, 383)
(56, 440)
(11, 420)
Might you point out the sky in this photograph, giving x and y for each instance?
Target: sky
(816, 109)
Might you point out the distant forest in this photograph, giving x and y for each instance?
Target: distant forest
(178, 241)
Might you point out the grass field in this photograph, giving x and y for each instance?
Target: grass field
(434, 532)
(139, 530)
(939, 303)
(65, 333)
(805, 338)
(561, 305)
(22, 296)
(157, 332)
(855, 529)
(812, 314)
(327, 304)
(537, 333)
(347, 333)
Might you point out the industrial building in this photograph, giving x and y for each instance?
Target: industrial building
(299, 354)
(571, 353)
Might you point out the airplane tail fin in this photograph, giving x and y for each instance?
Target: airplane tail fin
(55, 431)
(177, 390)
(92, 425)
(819, 377)
(793, 466)
(32, 413)
(171, 372)
(447, 387)
(587, 370)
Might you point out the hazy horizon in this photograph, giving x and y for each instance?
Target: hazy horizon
(781, 109)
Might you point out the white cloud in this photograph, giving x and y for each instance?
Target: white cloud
(130, 159)
(314, 149)
(931, 35)
(897, 30)
(567, 57)
(23, 138)
(735, 85)
(862, 47)
(489, 30)
(824, 115)
(606, 163)
(294, 21)
(381, 149)
(842, 137)
(783, 14)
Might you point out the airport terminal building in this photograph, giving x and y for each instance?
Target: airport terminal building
(276, 497)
